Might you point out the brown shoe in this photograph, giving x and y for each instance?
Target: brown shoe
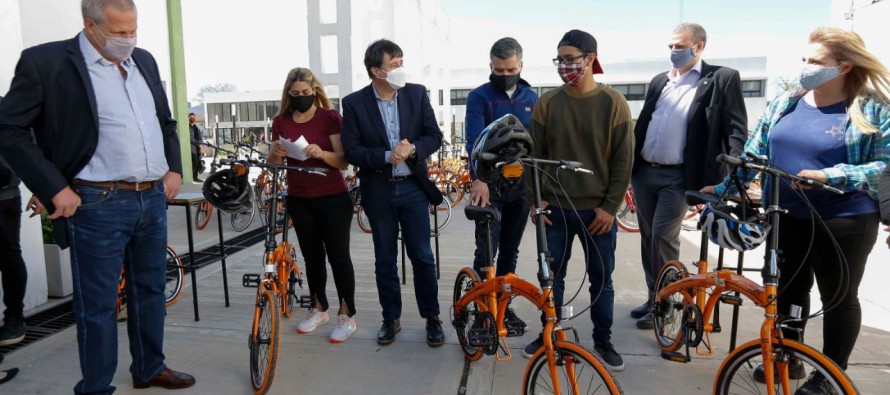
(169, 379)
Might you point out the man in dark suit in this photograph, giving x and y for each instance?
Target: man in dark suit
(103, 160)
(389, 130)
(692, 113)
(196, 137)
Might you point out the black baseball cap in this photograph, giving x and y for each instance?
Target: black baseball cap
(583, 41)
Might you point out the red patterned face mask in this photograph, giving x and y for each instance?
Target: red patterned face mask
(571, 73)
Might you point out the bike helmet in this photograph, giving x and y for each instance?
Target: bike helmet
(725, 228)
(228, 190)
(507, 140)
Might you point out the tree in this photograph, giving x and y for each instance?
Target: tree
(786, 83)
(213, 88)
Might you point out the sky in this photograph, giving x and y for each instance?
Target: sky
(243, 43)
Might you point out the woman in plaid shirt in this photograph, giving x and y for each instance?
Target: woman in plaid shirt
(836, 130)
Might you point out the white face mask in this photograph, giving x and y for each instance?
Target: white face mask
(119, 48)
(813, 76)
(396, 78)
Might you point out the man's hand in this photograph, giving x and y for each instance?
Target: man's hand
(66, 202)
(172, 181)
(479, 194)
(602, 224)
(531, 213)
(35, 206)
(401, 152)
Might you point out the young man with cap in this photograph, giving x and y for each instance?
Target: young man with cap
(506, 93)
(588, 122)
(692, 113)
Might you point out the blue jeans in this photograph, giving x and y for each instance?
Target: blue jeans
(408, 207)
(600, 264)
(505, 235)
(113, 228)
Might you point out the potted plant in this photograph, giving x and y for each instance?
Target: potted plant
(58, 262)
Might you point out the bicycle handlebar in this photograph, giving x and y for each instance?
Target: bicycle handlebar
(577, 167)
(320, 171)
(762, 165)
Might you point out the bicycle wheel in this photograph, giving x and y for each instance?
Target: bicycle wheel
(289, 291)
(577, 372)
(627, 214)
(736, 373)
(668, 313)
(467, 278)
(440, 215)
(202, 215)
(362, 220)
(450, 190)
(175, 276)
(242, 219)
(263, 342)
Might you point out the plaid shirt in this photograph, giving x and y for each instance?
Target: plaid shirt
(867, 154)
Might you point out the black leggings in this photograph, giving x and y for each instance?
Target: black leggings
(322, 226)
(856, 236)
(12, 266)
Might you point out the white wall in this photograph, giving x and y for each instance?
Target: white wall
(11, 42)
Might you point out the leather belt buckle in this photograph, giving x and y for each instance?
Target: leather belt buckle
(398, 178)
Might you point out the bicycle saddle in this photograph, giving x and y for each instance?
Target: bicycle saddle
(477, 213)
(695, 197)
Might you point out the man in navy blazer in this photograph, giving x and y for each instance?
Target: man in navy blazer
(692, 113)
(103, 159)
(389, 130)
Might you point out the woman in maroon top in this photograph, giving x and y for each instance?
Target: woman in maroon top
(319, 206)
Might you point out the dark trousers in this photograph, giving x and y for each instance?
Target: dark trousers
(407, 208)
(600, 261)
(12, 266)
(661, 204)
(856, 236)
(322, 226)
(505, 235)
(196, 164)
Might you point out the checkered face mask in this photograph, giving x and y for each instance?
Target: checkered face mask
(571, 73)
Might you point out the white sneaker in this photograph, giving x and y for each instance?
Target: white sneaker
(345, 328)
(313, 320)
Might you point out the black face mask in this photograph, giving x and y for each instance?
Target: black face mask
(301, 103)
(503, 82)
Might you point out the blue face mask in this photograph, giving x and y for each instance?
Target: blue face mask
(681, 57)
(813, 76)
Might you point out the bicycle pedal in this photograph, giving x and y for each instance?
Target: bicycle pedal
(515, 329)
(731, 300)
(251, 280)
(675, 357)
(305, 301)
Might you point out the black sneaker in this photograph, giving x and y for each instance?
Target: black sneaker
(533, 347)
(796, 371)
(611, 357)
(12, 332)
(515, 325)
(816, 384)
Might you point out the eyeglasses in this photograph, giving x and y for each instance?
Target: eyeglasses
(569, 59)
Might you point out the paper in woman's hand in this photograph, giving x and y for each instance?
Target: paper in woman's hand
(296, 149)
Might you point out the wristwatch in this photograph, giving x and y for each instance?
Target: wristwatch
(413, 151)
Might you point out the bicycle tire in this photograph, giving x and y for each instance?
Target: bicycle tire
(175, 277)
(264, 341)
(289, 288)
(442, 212)
(202, 215)
(668, 316)
(626, 216)
(241, 220)
(538, 379)
(450, 190)
(362, 219)
(737, 369)
(466, 279)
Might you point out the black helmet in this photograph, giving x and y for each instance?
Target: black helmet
(504, 138)
(227, 190)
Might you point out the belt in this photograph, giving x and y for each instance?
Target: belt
(398, 178)
(661, 166)
(125, 185)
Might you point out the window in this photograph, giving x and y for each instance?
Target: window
(631, 91)
(272, 108)
(242, 112)
(251, 112)
(459, 97)
(752, 88)
(226, 112)
(329, 56)
(441, 97)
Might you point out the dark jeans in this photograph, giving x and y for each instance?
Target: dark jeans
(196, 164)
(408, 208)
(322, 226)
(856, 236)
(12, 266)
(113, 228)
(659, 194)
(600, 253)
(505, 235)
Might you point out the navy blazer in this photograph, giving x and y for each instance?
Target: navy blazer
(365, 141)
(52, 95)
(718, 124)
